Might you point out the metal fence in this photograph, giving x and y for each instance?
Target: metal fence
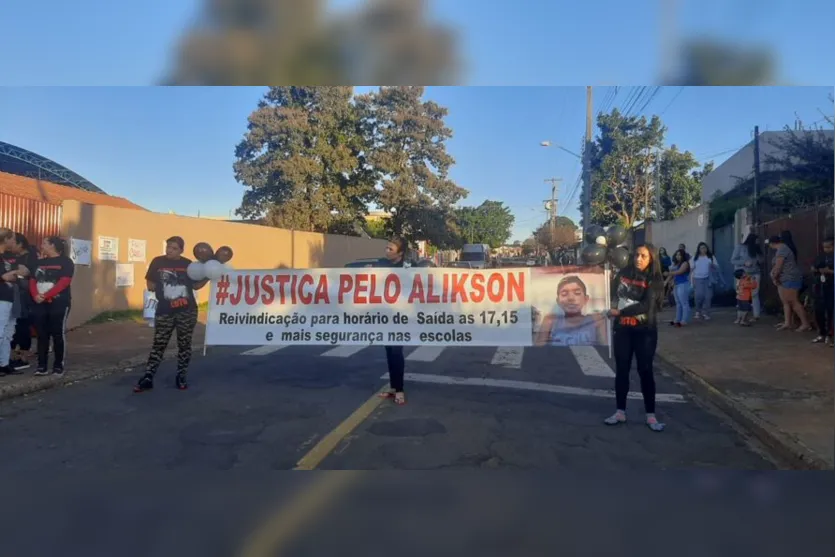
(34, 219)
(808, 228)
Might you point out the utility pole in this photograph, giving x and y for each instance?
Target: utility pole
(551, 205)
(756, 215)
(587, 164)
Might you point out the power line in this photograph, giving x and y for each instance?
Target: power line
(666, 108)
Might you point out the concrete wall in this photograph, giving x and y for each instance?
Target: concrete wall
(689, 229)
(256, 247)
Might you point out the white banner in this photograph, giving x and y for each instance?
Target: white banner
(416, 306)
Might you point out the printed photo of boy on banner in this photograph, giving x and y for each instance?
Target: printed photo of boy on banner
(570, 305)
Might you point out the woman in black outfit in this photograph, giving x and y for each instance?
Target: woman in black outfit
(22, 340)
(51, 292)
(638, 294)
(395, 257)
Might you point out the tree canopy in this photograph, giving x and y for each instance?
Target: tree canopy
(489, 223)
(315, 158)
(634, 177)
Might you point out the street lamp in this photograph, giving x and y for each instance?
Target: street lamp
(560, 147)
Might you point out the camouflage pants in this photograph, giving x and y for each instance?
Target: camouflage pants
(164, 326)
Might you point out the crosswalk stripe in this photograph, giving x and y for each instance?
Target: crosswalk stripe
(264, 350)
(591, 363)
(509, 356)
(528, 386)
(426, 353)
(344, 351)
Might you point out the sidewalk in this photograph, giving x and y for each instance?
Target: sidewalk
(97, 350)
(777, 384)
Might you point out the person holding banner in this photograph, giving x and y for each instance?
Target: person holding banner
(638, 295)
(176, 309)
(395, 258)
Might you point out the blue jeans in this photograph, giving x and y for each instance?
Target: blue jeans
(704, 295)
(681, 292)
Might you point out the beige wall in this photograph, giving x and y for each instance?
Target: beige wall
(689, 229)
(256, 247)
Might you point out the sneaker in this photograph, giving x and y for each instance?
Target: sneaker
(59, 371)
(697, 315)
(829, 341)
(180, 381)
(819, 339)
(705, 317)
(5, 370)
(20, 365)
(145, 383)
(41, 371)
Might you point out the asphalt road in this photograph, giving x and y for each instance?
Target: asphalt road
(103, 466)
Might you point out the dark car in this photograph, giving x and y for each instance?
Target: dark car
(363, 263)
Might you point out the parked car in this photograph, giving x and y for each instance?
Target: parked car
(460, 265)
(362, 263)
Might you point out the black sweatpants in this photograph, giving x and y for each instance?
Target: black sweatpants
(640, 343)
(823, 311)
(23, 334)
(397, 367)
(51, 324)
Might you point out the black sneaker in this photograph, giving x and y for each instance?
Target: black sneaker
(146, 383)
(181, 382)
(41, 371)
(5, 370)
(59, 371)
(20, 365)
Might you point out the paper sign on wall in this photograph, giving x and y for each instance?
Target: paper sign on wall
(81, 251)
(136, 250)
(108, 248)
(124, 275)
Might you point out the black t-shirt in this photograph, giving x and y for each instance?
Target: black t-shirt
(8, 262)
(49, 270)
(174, 289)
(11, 262)
(824, 261)
(636, 295)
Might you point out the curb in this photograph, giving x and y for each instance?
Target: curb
(50, 382)
(785, 446)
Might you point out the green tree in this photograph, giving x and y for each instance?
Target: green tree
(680, 179)
(622, 160)
(377, 229)
(562, 236)
(406, 140)
(303, 160)
(489, 223)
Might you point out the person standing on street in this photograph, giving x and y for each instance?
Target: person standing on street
(167, 277)
(704, 269)
(50, 290)
(679, 277)
(787, 276)
(12, 271)
(395, 258)
(638, 294)
(824, 291)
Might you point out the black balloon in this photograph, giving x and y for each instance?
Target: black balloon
(594, 254)
(618, 257)
(592, 232)
(615, 235)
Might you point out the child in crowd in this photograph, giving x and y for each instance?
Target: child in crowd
(745, 286)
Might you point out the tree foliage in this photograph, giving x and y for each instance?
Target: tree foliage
(622, 162)
(562, 236)
(314, 158)
(303, 160)
(489, 223)
(406, 145)
(680, 179)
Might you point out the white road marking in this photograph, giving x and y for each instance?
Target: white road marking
(509, 356)
(426, 353)
(591, 362)
(264, 350)
(345, 351)
(527, 386)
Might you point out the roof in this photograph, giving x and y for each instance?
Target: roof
(17, 160)
(39, 190)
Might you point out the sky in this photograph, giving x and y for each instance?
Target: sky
(101, 42)
(172, 149)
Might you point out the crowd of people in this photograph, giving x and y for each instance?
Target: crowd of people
(701, 275)
(35, 297)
